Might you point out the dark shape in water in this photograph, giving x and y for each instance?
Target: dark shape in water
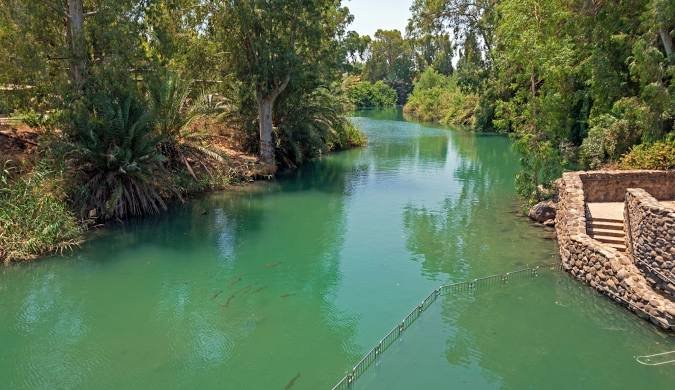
(229, 299)
(287, 295)
(217, 294)
(259, 289)
(272, 265)
(235, 281)
(292, 382)
(234, 295)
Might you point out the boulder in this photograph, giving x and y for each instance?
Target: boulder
(542, 211)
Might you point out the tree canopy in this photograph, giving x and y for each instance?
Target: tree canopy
(577, 83)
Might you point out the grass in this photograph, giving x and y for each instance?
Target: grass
(35, 218)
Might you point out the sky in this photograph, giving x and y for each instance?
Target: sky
(371, 15)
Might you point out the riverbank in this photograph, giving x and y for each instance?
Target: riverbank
(38, 216)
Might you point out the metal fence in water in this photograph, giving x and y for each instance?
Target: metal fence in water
(495, 280)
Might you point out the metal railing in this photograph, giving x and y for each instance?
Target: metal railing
(495, 280)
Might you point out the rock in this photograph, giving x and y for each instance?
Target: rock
(670, 310)
(542, 212)
(621, 275)
(549, 222)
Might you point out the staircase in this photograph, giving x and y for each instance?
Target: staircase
(607, 231)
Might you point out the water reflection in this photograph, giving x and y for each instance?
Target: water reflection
(561, 333)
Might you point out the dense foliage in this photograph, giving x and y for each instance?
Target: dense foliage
(118, 157)
(363, 94)
(438, 98)
(392, 59)
(141, 98)
(659, 155)
(577, 83)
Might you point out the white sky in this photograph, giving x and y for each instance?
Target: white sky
(371, 15)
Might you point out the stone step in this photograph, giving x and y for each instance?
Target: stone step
(619, 247)
(606, 225)
(610, 240)
(594, 231)
(610, 220)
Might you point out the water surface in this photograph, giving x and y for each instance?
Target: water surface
(287, 286)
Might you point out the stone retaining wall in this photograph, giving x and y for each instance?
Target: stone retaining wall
(611, 186)
(603, 267)
(650, 238)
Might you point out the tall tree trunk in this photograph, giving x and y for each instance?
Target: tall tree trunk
(78, 56)
(265, 120)
(667, 42)
(265, 108)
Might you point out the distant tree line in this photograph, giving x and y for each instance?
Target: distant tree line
(579, 84)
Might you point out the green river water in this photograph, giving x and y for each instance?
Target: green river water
(285, 287)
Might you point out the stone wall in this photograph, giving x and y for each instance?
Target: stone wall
(603, 267)
(650, 238)
(611, 186)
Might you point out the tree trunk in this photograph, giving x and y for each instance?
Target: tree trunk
(78, 56)
(265, 107)
(667, 42)
(265, 120)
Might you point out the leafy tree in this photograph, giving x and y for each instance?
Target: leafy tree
(463, 17)
(576, 82)
(391, 60)
(177, 39)
(438, 98)
(363, 94)
(471, 69)
(275, 43)
(53, 60)
(357, 47)
(433, 50)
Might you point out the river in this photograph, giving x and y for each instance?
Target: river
(287, 285)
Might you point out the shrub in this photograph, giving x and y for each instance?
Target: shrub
(611, 135)
(659, 155)
(317, 126)
(363, 94)
(34, 216)
(117, 151)
(437, 98)
(176, 118)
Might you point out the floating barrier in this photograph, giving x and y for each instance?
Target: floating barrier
(495, 280)
(657, 359)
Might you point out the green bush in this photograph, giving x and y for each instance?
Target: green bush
(437, 98)
(659, 155)
(121, 167)
(34, 216)
(611, 135)
(316, 127)
(363, 94)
